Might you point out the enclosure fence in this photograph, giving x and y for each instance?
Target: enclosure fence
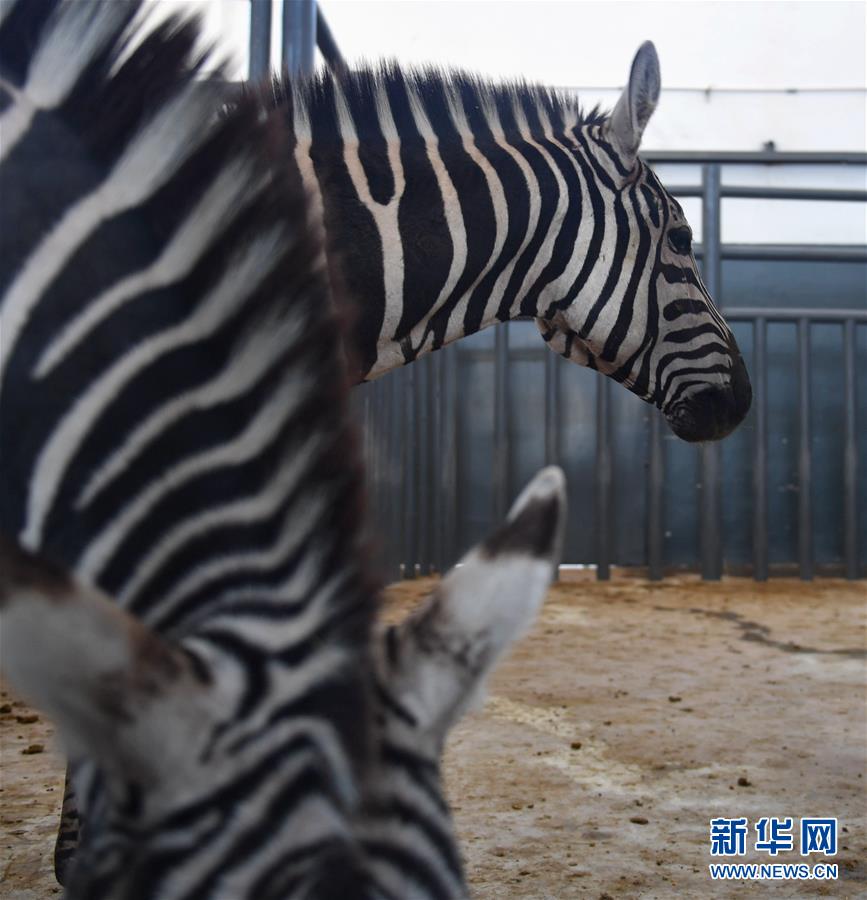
(418, 424)
(422, 425)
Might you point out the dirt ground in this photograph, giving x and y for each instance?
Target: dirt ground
(632, 714)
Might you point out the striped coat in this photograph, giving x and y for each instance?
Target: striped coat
(451, 204)
(184, 586)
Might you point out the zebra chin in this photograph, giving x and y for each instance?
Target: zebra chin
(712, 413)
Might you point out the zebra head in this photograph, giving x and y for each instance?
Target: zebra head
(193, 797)
(642, 314)
(184, 796)
(432, 668)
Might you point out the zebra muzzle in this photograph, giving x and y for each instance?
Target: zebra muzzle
(713, 412)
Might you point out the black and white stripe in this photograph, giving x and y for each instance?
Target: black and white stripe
(174, 431)
(451, 204)
(183, 582)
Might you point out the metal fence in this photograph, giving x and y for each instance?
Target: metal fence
(303, 28)
(419, 423)
(412, 419)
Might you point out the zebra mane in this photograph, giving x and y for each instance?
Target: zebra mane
(448, 98)
(173, 403)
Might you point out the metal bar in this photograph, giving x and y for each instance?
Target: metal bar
(850, 454)
(410, 472)
(655, 499)
(501, 422)
(552, 409)
(791, 252)
(552, 416)
(771, 193)
(260, 39)
(604, 476)
(711, 513)
(397, 483)
(375, 477)
(711, 489)
(780, 314)
(760, 450)
(735, 157)
(423, 554)
(440, 451)
(382, 497)
(366, 430)
(805, 512)
(373, 461)
(451, 447)
(434, 363)
(328, 46)
(299, 36)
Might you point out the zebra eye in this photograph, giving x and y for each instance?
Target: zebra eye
(680, 239)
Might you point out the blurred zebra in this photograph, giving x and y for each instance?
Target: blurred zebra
(451, 204)
(173, 435)
(183, 581)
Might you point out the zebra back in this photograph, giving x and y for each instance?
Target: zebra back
(175, 435)
(168, 338)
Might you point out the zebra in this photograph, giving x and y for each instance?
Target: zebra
(184, 582)
(190, 803)
(451, 204)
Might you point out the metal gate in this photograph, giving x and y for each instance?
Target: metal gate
(451, 439)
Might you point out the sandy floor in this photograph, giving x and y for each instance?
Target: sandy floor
(631, 715)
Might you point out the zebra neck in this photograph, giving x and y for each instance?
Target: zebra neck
(441, 233)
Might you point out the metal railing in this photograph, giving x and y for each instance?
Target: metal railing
(303, 29)
(411, 418)
(711, 544)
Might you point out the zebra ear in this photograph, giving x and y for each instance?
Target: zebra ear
(446, 649)
(102, 676)
(633, 110)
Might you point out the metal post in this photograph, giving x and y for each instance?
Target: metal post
(501, 422)
(299, 36)
(850, 454)
(260, 38)
(383, 477)
(711, 495)
(372, 456)
(552, 410)
(805, 510)
(397, 483)
(436, 449)
(366, 429)
(407, 378)
(327, 45)
(603, 479)
(552, 416)
(655, 500)
(450, 454)
(760, 450)
(423, 468)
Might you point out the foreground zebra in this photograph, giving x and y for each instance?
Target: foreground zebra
(174, 435)
(451, 204)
